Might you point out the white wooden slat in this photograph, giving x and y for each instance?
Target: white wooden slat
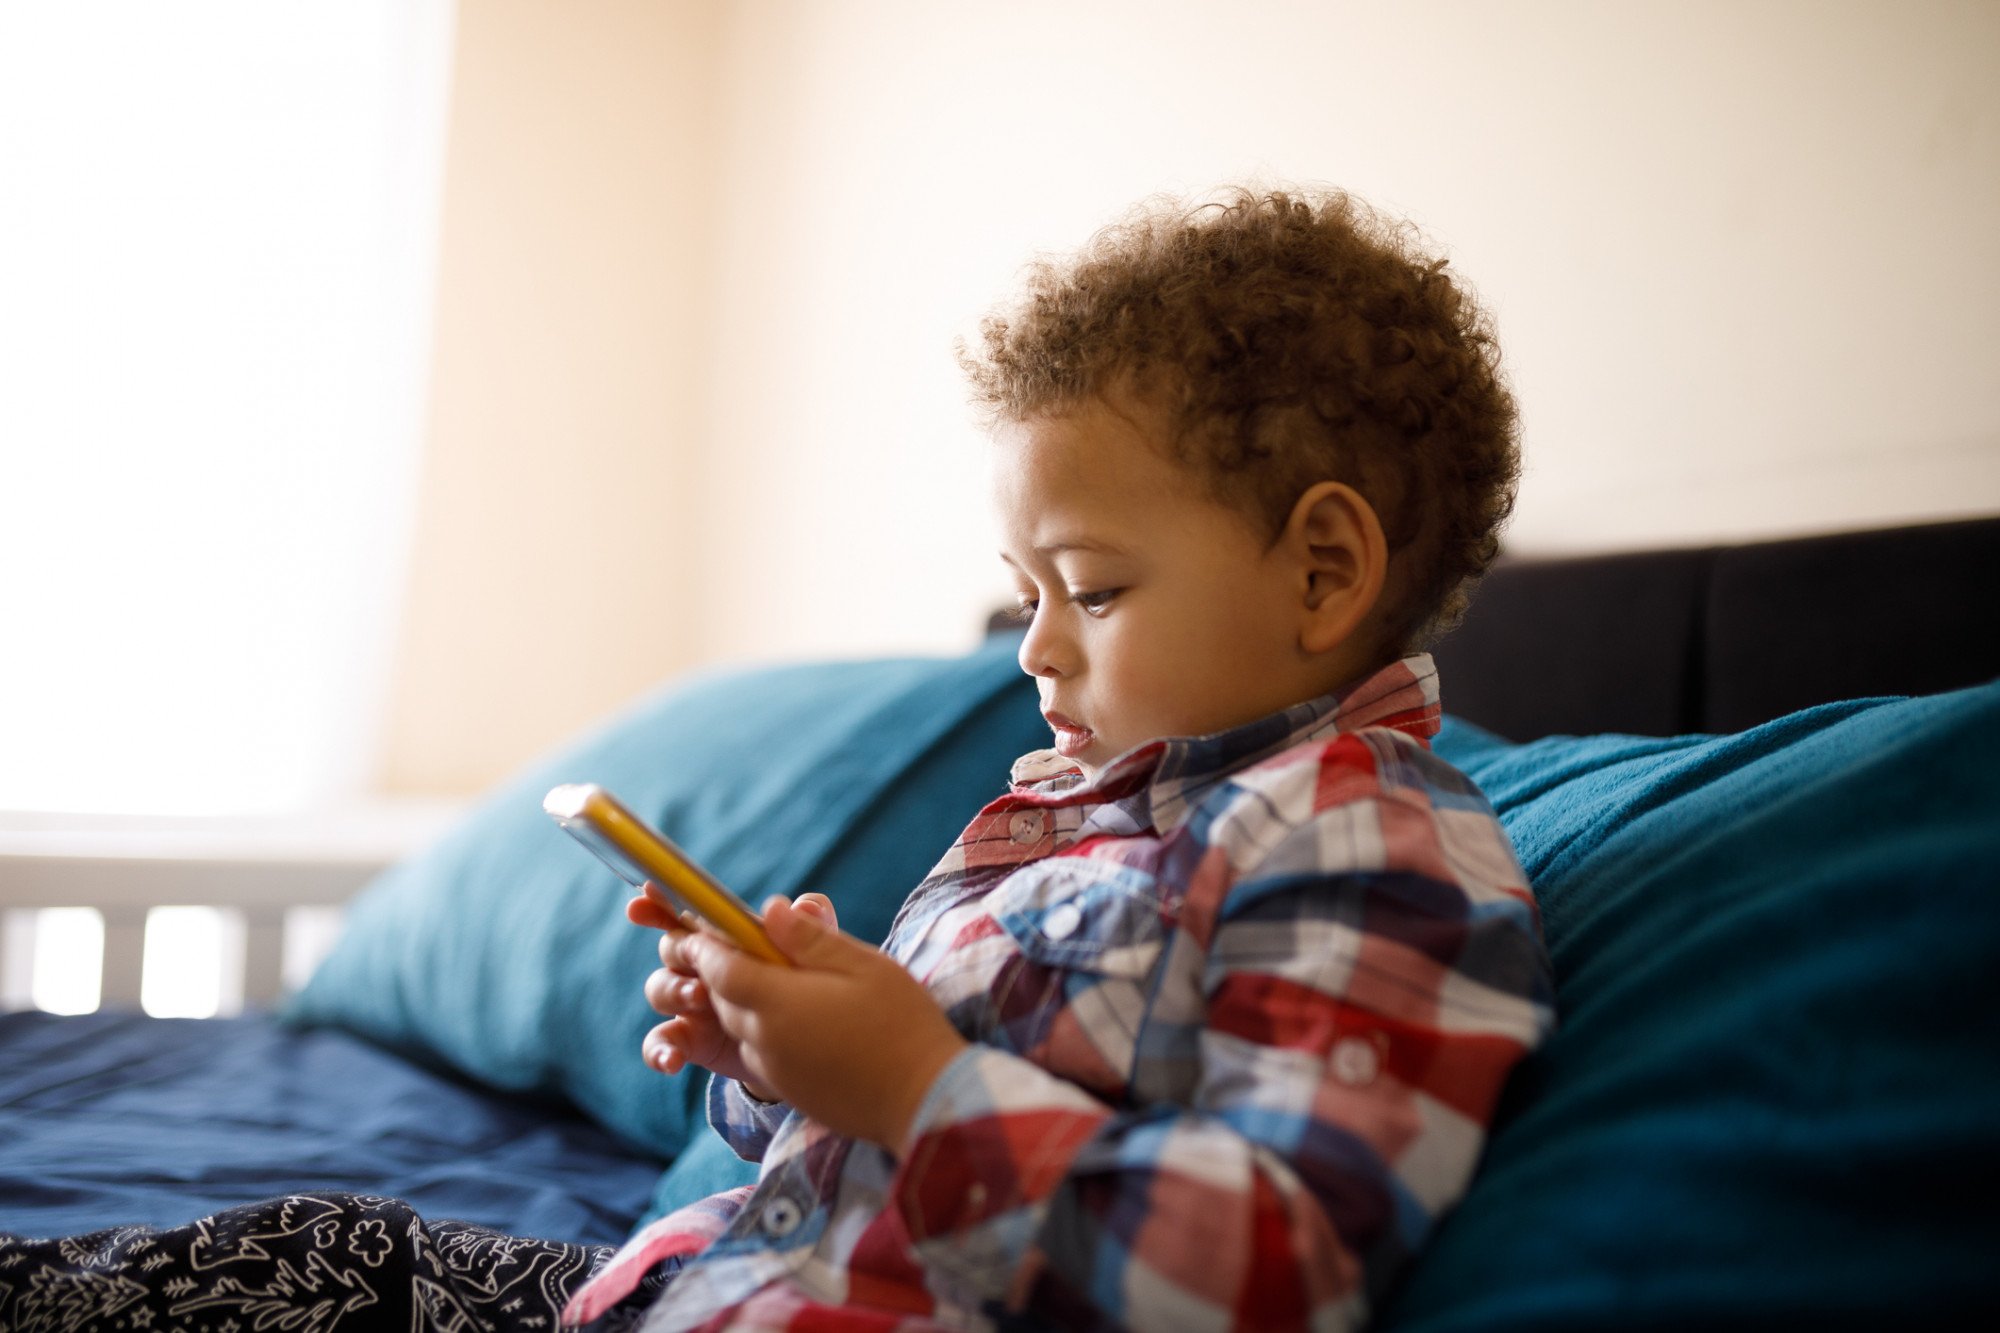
(263, 958)
(17, 959)
(124, 956)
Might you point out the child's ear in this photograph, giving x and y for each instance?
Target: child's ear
(1343, 561)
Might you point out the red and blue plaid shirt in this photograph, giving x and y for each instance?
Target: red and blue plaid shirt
(1240, 1009)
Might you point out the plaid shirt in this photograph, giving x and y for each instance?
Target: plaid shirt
(1240, 1009)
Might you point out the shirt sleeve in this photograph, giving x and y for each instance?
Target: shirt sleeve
(744, 1123)
(658, 1250)
(1358, 1026)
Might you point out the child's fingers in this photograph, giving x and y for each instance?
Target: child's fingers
(732, 976)
(657, 908)
(679, 1042)
(654, 908)
(643, 911)
(673, 951)
(659, 990)
(812, 940)
(671, 992)
(660, 1051)
(817, 905)
(739, 981)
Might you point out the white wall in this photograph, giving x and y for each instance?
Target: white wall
(555, 548)
(1740, 252)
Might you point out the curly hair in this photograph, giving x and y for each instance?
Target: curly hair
(1289, 338)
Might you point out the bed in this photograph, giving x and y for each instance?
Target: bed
(1768, 880)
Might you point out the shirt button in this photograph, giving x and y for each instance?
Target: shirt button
(781, 1218)
(1025, 827)
(1355, 1061)
(1062, 922)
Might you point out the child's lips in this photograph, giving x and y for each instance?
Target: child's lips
(1072, 737)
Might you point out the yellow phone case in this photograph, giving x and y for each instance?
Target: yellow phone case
(638, 852)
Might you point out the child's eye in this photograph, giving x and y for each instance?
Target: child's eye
(1024, 610)
(1095, 602)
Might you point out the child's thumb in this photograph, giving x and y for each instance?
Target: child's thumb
(801, 936)
(819, 906)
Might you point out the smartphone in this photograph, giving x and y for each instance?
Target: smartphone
(638, 852)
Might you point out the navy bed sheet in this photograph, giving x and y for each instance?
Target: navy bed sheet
(110, 1119)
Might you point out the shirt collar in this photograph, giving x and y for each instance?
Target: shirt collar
(1158, 782)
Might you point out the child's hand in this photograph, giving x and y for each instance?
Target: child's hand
(847, 1036)
(692, 1035)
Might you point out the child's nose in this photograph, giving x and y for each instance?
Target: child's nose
(1042, 651)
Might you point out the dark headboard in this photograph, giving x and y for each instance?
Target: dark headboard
(1722, 638)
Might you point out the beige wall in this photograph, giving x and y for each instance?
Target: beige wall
(555, 550)
(712, 259)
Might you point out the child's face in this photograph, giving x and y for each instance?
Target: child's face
(1156, 610)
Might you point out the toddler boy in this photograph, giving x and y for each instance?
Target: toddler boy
(1200, 1024)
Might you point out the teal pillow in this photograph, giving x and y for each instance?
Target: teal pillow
(1774, 1100)
(503, 952)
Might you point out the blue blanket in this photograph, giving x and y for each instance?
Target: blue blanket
(108, 1119)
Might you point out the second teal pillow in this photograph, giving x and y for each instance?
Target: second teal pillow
(1772, 1099)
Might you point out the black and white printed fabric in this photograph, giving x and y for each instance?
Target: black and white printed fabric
(305, 1263)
